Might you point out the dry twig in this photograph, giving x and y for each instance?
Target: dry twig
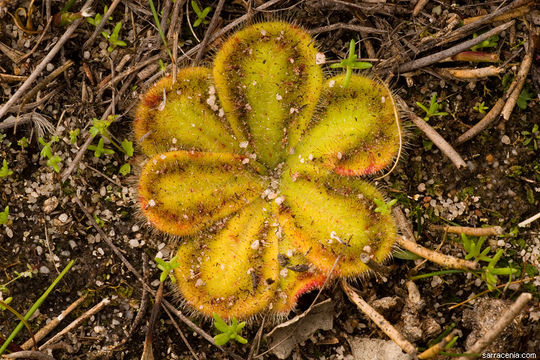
(53, 323)
(479, 73)
(101, 25)
(419, 6)
(520, 79)
(438, 258)
(211, 27)
(47, 59)
(499, 326)
(75, 323)
(28, 354)
(378, 319)
(437, 139)
(529, 220)
(433, 58)
(438, 347)
(470, 231)
(351, 27)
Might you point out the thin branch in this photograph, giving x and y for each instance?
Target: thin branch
(378, 319)
(54, 322)
(529, 220)
(211, 27)
(101, 25)
(438, 347)
(438, 258)
(471, 231)
(346, 26)
(437, 139)
(520, 78)
(506, 318)
(419, 6)
(480, 126)
(75, 323)
(46, 60)
(433, 58)
(28, 354)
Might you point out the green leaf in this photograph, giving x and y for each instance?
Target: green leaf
(128, 147)
(221, 339)
(53, 162)
(523, 98)
(5, 171)
(220, 324)
(125, 169)
(4, 216)
(73, 135)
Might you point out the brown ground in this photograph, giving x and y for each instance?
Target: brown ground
(47, 228)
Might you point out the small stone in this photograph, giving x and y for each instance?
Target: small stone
(505, 140)
(86, 55)
(50, 204)
(63, 218)
(421, 187)
(134, 243)
(50, 67)
(320, 58)
(44, 270)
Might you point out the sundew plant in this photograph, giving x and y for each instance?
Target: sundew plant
(259, 165)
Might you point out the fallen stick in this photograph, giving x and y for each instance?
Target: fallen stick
(520, 79)
(419, 6)
(438, 258)
(53, 323)
(209, 30)
(47, 59)
(28, 354)
(437, 139)
(506, 318)
(378, 319)
(479, 73)
(471, 231)
(529, 220)
(484, 123)
(75, 323)
(514, 13)
(438, 347)
(433, 58)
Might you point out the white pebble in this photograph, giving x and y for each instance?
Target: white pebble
(50, 67)
(505, 140)
(44, 270)
(63, 217)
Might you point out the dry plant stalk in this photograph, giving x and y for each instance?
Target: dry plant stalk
(470, 231)
(419, 6)
(514, 13)
(520, 79)
(499, 326)
(75, 323)
(28, 354)
(438, 258)
(484, 123)
(437, 348)
(437, 139)
(479, 73)
(378, 319)
(53, 323)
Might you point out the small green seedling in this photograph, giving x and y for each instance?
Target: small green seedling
(4, 216)
(201, 15)
(531, 138)
(99, 149)
(5, 171)
(228, 332)
(488, 43)
(73, 136)
(351, 63)
(489, 273)
(97, 19)
(167, 268)
(480, 107)
(523, 99)
(125, 169)
(23, 142)
(98, 221)
(433, 109)
(384, 208)
(113, 37)
(46, 152)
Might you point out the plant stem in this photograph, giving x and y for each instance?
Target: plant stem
(34, 307)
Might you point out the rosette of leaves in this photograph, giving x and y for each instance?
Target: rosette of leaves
(258, 165)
